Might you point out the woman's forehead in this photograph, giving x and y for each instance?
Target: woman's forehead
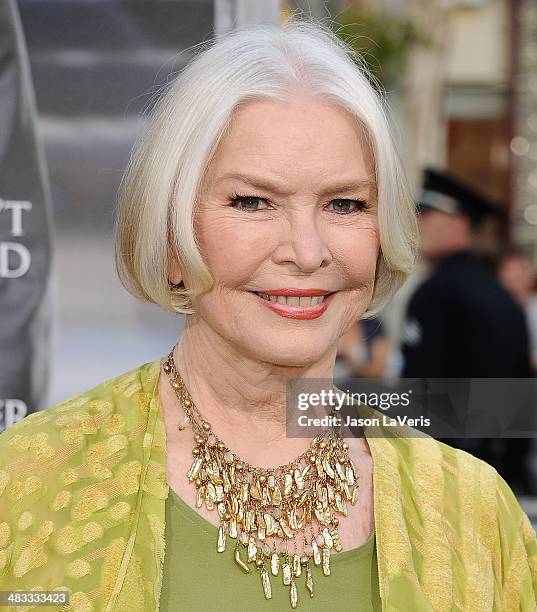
(272, 139)
(302, 120)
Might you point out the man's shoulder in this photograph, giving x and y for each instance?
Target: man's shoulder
(437, 287)
(455, 270)
(101, 411)
(462, 281)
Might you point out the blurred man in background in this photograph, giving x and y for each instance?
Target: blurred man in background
(460, 322)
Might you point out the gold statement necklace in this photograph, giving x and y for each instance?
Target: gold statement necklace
(265, 510)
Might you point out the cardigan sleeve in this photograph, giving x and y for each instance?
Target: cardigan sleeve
(6, 521)
(28, 500)
(81, 504)
(518, 552)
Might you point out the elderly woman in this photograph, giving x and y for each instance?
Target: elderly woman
(267, 203)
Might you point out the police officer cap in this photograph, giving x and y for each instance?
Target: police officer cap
(442, 191)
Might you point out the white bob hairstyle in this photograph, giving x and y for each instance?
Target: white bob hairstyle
(161, 185)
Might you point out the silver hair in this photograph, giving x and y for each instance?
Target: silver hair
(155, 212)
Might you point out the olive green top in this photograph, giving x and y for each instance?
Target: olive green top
(197, 577)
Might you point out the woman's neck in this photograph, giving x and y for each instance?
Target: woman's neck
(243, 399)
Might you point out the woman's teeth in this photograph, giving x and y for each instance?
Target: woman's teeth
(293, 300)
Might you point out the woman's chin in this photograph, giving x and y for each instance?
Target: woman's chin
(295, 353)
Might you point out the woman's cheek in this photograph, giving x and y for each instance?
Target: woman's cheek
(235, 255)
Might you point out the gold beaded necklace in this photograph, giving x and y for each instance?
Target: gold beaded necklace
(265, 509)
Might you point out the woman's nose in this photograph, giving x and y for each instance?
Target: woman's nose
(303, 244)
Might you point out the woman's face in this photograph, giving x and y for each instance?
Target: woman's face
(287, 202)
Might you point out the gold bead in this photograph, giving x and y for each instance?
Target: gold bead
(198, 482)
(304, 560)
(199, 439)
(345, 446)
(335, 521)
(195, 451)
(312, 458)
(187, 402)
(239, 466)
(227, 516)
(322, 444)
(167, 368)
(262, 479)
(206, 426)
(175, 384)
(221, 446)
(259, 562)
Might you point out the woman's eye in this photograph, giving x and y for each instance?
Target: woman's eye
(248, 203)
(255, 203)
(343, 207)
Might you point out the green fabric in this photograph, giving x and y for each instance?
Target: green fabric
(197, 577)
(82, 508)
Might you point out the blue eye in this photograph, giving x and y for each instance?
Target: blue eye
(344, 208)
(246, 202)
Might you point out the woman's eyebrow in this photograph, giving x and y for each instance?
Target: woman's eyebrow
(344, 186)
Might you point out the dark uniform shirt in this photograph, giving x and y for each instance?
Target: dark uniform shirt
(462, 323)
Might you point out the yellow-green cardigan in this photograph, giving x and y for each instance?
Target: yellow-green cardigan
(82, 500)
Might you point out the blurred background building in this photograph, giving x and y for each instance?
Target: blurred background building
(460, 77)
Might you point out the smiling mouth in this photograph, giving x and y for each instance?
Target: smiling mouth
(289, 300)
(292, 300)
(296, 306)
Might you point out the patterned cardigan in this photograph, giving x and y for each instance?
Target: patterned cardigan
(82, 508)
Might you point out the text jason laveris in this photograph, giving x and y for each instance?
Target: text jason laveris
(336, 421)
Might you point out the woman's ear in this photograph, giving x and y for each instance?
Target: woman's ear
(174, 273)
(175, 276)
